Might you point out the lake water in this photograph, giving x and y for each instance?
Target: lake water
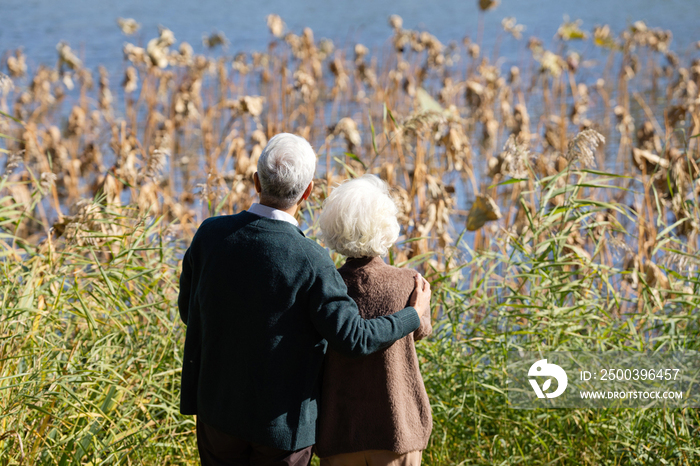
(89, 26)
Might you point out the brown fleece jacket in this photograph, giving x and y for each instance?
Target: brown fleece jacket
(376, 402)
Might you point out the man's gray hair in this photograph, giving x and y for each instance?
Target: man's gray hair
(285, 168)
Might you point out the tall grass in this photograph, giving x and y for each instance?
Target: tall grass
(91, 344)
(91, 347)
(102, 190)
(540, 296)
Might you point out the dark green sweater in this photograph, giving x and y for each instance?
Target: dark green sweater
(261, 303)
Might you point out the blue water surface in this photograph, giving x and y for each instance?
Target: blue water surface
(90, 27)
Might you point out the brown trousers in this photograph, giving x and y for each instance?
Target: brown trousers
(374, 458)
(217, 448)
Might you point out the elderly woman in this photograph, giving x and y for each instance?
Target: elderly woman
(374, 410)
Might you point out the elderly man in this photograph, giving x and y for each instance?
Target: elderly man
(262, 303)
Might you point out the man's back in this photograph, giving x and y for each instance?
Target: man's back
(258, 299)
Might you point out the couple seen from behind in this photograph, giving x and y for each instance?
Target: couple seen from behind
(285, 353)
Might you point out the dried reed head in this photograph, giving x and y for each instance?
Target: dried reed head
(511, 26)
(67, 57)
(131, 80)
(129, 26)
(485, 5)
(436, 58)
(305, 84)
(158, 48)
(639, 34)
(489, 129)
(401, 40)
(360, 52)
(347, 128)
(134, 54)
(550, 63)
(582, 147)
(341, 76)
(457, 146)
(214, 39)
(6, 85)
(276, 25)
(434, 219)
(105, 94)
(514, 158)
(240, 63)
(396, 22)
(13, 161)
(571, 30)
(325, 49)
(521, 122)
(17, 64)
(602, 37)
(647, 138)
(48, 180)
(86, 225)
(580, 106)
(76, 121)
(426, 120)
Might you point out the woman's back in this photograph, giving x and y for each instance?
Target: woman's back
(376, 402)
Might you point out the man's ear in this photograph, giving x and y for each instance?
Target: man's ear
(307, 193)
(258, 186)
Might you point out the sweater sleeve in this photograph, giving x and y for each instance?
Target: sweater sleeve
(425, 329)
(183, 298)
(336, 317)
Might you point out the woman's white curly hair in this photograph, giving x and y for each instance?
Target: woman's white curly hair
(359, 219)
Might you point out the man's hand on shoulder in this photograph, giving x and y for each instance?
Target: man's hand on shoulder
(420, 298)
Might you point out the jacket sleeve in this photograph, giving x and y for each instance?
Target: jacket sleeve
(183, 298)
(337, 319)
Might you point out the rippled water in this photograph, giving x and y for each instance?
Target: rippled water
(90, 25)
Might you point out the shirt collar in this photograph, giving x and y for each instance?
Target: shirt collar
(272, 213)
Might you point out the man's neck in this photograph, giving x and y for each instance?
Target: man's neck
(291, 211)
